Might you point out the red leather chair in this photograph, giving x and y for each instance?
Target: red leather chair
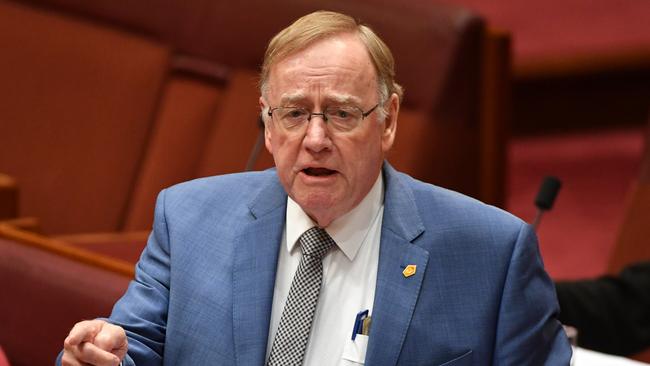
(107, 157)
(47, 287)
(78, 101)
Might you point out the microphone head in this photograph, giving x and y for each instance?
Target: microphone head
(547, 193)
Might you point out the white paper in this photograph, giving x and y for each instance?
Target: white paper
(585, 357)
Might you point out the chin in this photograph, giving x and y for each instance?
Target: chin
(316, 201)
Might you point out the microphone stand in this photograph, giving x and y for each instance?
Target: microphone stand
(545, 198)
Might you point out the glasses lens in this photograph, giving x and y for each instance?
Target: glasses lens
(291, 117)
(343, 118)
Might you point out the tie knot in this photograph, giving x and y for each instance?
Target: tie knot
(316, 242)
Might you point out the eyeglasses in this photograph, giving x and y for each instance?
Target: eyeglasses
(340, 119)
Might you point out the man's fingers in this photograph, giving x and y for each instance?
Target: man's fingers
(82, 332)
(69, 360)
(88, 354)
(110, 338)
(94, 355)
(94, 342)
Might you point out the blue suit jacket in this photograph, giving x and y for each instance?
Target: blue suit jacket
(204, 284)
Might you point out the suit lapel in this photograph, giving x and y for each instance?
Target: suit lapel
(396, 295)
(254, 274)
(256, 259)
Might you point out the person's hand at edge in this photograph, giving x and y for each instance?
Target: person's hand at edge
(94, 342)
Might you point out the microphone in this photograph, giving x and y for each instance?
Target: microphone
(546, 197)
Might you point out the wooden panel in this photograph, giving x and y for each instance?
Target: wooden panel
(495, 117)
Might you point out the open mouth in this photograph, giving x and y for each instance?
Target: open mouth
(318, 172)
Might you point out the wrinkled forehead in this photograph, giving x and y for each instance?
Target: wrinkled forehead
(337, 66)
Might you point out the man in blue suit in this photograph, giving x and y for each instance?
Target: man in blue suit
(408, 274)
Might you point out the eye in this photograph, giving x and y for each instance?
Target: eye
(341, 113)
(293, 113)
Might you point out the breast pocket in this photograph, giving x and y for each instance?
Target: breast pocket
(463, 360)
(354, 351)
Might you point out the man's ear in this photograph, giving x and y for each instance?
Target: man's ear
(390, 124)
(265, 119)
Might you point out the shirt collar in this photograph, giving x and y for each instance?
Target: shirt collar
(348, 231)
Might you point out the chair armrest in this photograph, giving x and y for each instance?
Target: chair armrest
(64, 249)
(126, 246)
(31, 224)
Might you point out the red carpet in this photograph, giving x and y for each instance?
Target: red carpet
(596, 169)
(555, 30)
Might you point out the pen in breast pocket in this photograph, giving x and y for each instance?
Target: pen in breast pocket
(361, 324)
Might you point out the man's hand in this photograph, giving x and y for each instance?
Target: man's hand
(94, 342)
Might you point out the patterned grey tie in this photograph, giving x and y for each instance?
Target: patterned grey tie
(291, 339)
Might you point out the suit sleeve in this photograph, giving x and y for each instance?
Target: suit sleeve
(611, 313)
(528, 332)
(142, 311)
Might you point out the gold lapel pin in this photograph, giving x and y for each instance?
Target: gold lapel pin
(409, 270)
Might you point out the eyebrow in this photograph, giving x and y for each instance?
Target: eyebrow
(343, 99)
(292, 98)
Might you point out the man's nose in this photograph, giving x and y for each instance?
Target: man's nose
(317, 136)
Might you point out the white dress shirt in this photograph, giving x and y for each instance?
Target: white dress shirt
(349, 279)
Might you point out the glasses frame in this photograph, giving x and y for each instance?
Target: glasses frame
(322, 114)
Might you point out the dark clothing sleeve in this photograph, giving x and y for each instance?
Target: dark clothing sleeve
(611, 313)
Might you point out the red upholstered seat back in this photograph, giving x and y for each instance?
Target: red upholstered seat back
(236, 129)
(202, 130)
(176, 146)
(92, 137)
(43, 295)
(438, 48)
(77, 102)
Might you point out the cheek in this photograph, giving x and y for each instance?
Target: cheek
(285, 152)
(275, 143)
(366, 157)
(367, 148)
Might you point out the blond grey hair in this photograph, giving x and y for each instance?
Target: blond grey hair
(320, 25)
